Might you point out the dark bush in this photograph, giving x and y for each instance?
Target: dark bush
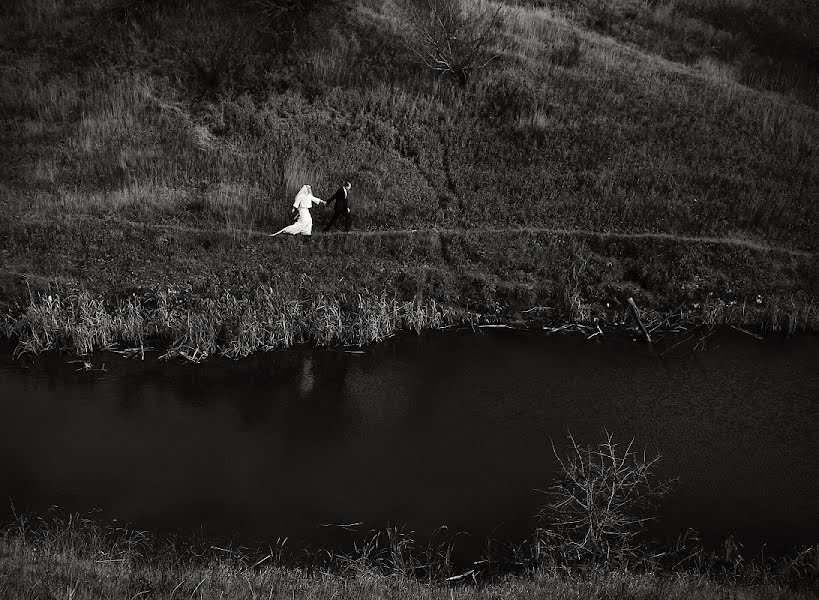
(509, 93)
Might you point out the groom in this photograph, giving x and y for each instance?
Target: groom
(341, 207)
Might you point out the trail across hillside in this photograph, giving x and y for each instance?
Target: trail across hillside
(240, 233)
(602, 234)
(728, 241)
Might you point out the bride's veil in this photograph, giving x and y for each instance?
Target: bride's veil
(304, 191)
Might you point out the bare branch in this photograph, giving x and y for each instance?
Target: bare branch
(595, 507)
(449, 39)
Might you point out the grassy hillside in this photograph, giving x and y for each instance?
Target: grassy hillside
(764, 45)
(120, 116)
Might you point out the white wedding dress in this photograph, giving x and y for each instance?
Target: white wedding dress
(304, 223)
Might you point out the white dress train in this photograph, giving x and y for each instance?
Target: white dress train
(304, 223)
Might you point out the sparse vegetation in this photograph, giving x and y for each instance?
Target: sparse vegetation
(195, 328)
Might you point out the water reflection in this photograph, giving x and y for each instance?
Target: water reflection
(441, 430)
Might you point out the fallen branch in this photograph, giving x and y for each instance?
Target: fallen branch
(746, 332)
(461, 576)
(636, 314)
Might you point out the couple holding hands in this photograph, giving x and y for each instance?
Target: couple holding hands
(304, 202)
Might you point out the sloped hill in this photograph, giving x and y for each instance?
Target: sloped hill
(185, 110)
(167, 112)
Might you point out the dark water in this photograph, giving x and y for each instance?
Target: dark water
(448, 429)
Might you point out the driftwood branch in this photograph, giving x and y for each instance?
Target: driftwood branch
(635, 311)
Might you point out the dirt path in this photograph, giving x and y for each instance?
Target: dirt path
(602, 234)
(252, 233)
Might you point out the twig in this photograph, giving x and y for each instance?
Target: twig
(461, 576)
(197, 587)
(682, 341)
(534, 308)
(556, 329)
(746, 332)
(350, 526)
(257, 563)
(178, 585)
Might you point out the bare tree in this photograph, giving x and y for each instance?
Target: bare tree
(600, 502)
(454, 37)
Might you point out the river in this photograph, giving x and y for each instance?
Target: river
(447, 429)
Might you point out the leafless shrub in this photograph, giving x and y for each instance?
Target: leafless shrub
(598, 505)
(453, 38)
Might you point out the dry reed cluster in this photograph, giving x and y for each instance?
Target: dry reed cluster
(226, 325)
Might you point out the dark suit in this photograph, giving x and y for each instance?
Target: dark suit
(340, 209)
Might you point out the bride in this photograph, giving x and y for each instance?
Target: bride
(304, 223)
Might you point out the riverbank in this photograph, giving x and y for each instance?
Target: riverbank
(83, 560)
(88, 284)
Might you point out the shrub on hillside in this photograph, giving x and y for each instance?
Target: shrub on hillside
(451, 38)
(243, 119)
(217, 52)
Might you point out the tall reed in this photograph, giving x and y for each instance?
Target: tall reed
(226, 325)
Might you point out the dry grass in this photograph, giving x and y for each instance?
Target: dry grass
(777, 314)
(79, 559)
(233, 327)
(81, 324)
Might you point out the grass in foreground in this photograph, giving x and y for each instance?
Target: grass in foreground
(81, 560)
